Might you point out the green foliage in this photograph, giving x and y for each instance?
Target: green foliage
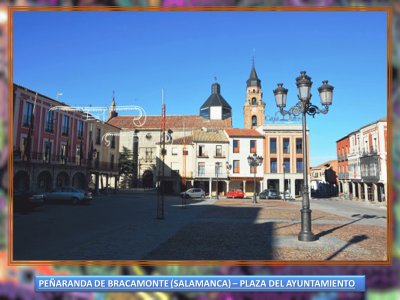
(126, 167)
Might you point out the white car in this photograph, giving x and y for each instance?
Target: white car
(194, 193)
(68, 194)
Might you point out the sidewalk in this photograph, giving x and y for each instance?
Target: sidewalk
(239, 230)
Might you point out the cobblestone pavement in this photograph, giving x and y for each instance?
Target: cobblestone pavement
(240, 230)
(125, 227)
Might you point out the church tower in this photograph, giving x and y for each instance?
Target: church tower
(112, 113)
(254, 105)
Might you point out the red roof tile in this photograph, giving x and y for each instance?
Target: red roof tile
(189, 122)
(239, 132)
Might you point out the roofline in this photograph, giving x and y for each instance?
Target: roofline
(358, 130)
(63, 103)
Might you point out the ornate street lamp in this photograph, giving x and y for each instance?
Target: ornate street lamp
(304, 107)
(255, 161)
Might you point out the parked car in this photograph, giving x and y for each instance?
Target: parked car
(235, 194)
(68, 194)
(194, 193)
(269, 194)
(25, 202)
(286, 196)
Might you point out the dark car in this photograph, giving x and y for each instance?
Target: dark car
(26, 202)
(269, 194)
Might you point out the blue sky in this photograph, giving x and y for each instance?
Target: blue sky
(87, 55)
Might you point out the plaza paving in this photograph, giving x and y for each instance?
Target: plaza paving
(239, 230)
(125, 227)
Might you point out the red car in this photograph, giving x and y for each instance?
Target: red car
(235, 194)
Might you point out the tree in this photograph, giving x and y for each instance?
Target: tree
(126, 168)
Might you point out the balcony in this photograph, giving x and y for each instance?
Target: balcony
(219, 155)
(49, 128)
(43, 158)
(371, 151)
(203, 155)
(27, 120)
(147, 159)
(343, 175)
(103, 165)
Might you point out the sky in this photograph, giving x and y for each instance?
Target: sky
(88, 55)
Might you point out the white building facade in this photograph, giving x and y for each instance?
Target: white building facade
(242, 143)
(284, 163)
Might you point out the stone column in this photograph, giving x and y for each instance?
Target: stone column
(210, 187)
(375, 187)
(385, 191)
(292, 188)
(227, 186)
(365, 192)
(244, 187)
(353, 188)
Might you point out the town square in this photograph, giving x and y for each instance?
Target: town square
(156, 148)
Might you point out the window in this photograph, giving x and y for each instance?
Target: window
(201, 169)
(286, 165)
(202, 152)
(174, 151)
(253, 101)
(28, 115)
(299, 165)
(98, 136)
(299, 145)
(273, 165)
(253, 146)
(148, 155)
(80, 129)
(64, 153)
(217, 169)
(47, 151)
(65, 125)
(253, 121)
(272, 145)
(113, 142)
(49, 121)
(286, 145)
(78, 155)
(236, 166)
(218, 151)
(236, 146)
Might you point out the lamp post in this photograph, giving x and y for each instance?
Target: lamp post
(217, 165)
(305, 107)
(284, 191)
(228, 168)
(254, 161)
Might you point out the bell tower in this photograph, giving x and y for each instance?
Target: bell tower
(254, 105)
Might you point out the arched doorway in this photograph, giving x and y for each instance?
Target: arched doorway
(79, 181)
(147, 179)
(21, 182)
(44, 183)
(62, 179)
